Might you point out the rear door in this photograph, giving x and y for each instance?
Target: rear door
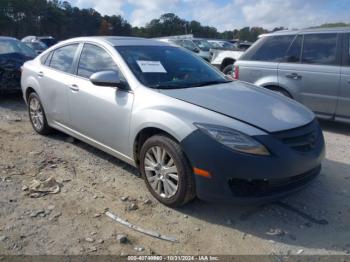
(100, 113)
(54, 77)
(343, 108)
(314, 77)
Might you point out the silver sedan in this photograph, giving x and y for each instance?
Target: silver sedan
(189, 130)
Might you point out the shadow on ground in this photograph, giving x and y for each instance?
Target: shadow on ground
(13, 101)
(335, 127)
(317, 217)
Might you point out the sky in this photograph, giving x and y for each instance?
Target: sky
(228, 14)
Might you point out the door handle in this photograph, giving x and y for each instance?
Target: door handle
(74, 87)
(348, 81)
(41, 74)
(294, 76)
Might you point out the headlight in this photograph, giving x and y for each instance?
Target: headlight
(233, 139)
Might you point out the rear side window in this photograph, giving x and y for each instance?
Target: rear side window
(62, 58)
(94, 59)
(44, 58)
(319, 49)
(270, 48)
(294, 51)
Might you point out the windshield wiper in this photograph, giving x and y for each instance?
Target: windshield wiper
(168, 86)
(208, 83)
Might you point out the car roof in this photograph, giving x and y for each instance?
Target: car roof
(121, 40)
(7, 38)
(310, 30)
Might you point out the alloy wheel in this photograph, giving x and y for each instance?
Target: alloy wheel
(36, 113)
(161, 172)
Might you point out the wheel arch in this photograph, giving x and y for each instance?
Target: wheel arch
(278, 87)
(28, 86)
(146, 133)
(28, 91)
(227, 61)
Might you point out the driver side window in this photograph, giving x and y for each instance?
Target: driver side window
(94, 59)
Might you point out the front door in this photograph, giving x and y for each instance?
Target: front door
(97, 112)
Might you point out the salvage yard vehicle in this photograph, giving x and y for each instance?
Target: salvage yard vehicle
(225, 59)
(36, 45)
(164, 110)
(13, 54)
(311, 66)
(48, 41)
(198, 46)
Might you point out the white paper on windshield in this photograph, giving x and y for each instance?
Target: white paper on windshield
(151, 66)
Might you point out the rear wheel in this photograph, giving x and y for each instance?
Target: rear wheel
(37, 115)
(166, 171)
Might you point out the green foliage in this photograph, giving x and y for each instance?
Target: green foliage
(330, 25)
(20, 18)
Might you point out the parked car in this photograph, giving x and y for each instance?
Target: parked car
(13, 54)
(220, 44)
(243, 45)
(167, 112)
(36, 45)
(198, 46)
(48, 41)
(311, 66)
(224, 59)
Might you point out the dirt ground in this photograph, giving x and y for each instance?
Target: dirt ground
(314, 221)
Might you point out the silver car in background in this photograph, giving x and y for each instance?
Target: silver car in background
(311, 66)
(164, 110)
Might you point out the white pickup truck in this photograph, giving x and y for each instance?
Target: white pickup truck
(224, 55)
(224, 59)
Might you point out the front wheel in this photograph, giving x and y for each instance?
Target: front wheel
(166, 171)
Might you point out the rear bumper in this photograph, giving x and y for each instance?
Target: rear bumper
(243, 178)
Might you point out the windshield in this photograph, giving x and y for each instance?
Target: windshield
(227, 44)
(202, 44)
(168, 67)
(48, 41)
(214, 44)
(8, 46)
(36, 45)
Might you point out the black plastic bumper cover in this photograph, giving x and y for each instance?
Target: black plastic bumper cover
(251, 178)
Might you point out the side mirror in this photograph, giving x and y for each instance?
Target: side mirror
(108, 78)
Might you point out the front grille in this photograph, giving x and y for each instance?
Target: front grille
(265, 187)
(302, 139)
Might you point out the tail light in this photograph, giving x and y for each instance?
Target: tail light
(236, 72)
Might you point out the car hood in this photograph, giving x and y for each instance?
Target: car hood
(253, 105)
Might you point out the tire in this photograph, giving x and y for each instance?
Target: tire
(37, 115)
(228, 70)
(160, 178)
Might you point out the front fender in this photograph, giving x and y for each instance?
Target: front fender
(160, 119)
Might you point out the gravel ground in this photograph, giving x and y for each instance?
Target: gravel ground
(314, 221)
